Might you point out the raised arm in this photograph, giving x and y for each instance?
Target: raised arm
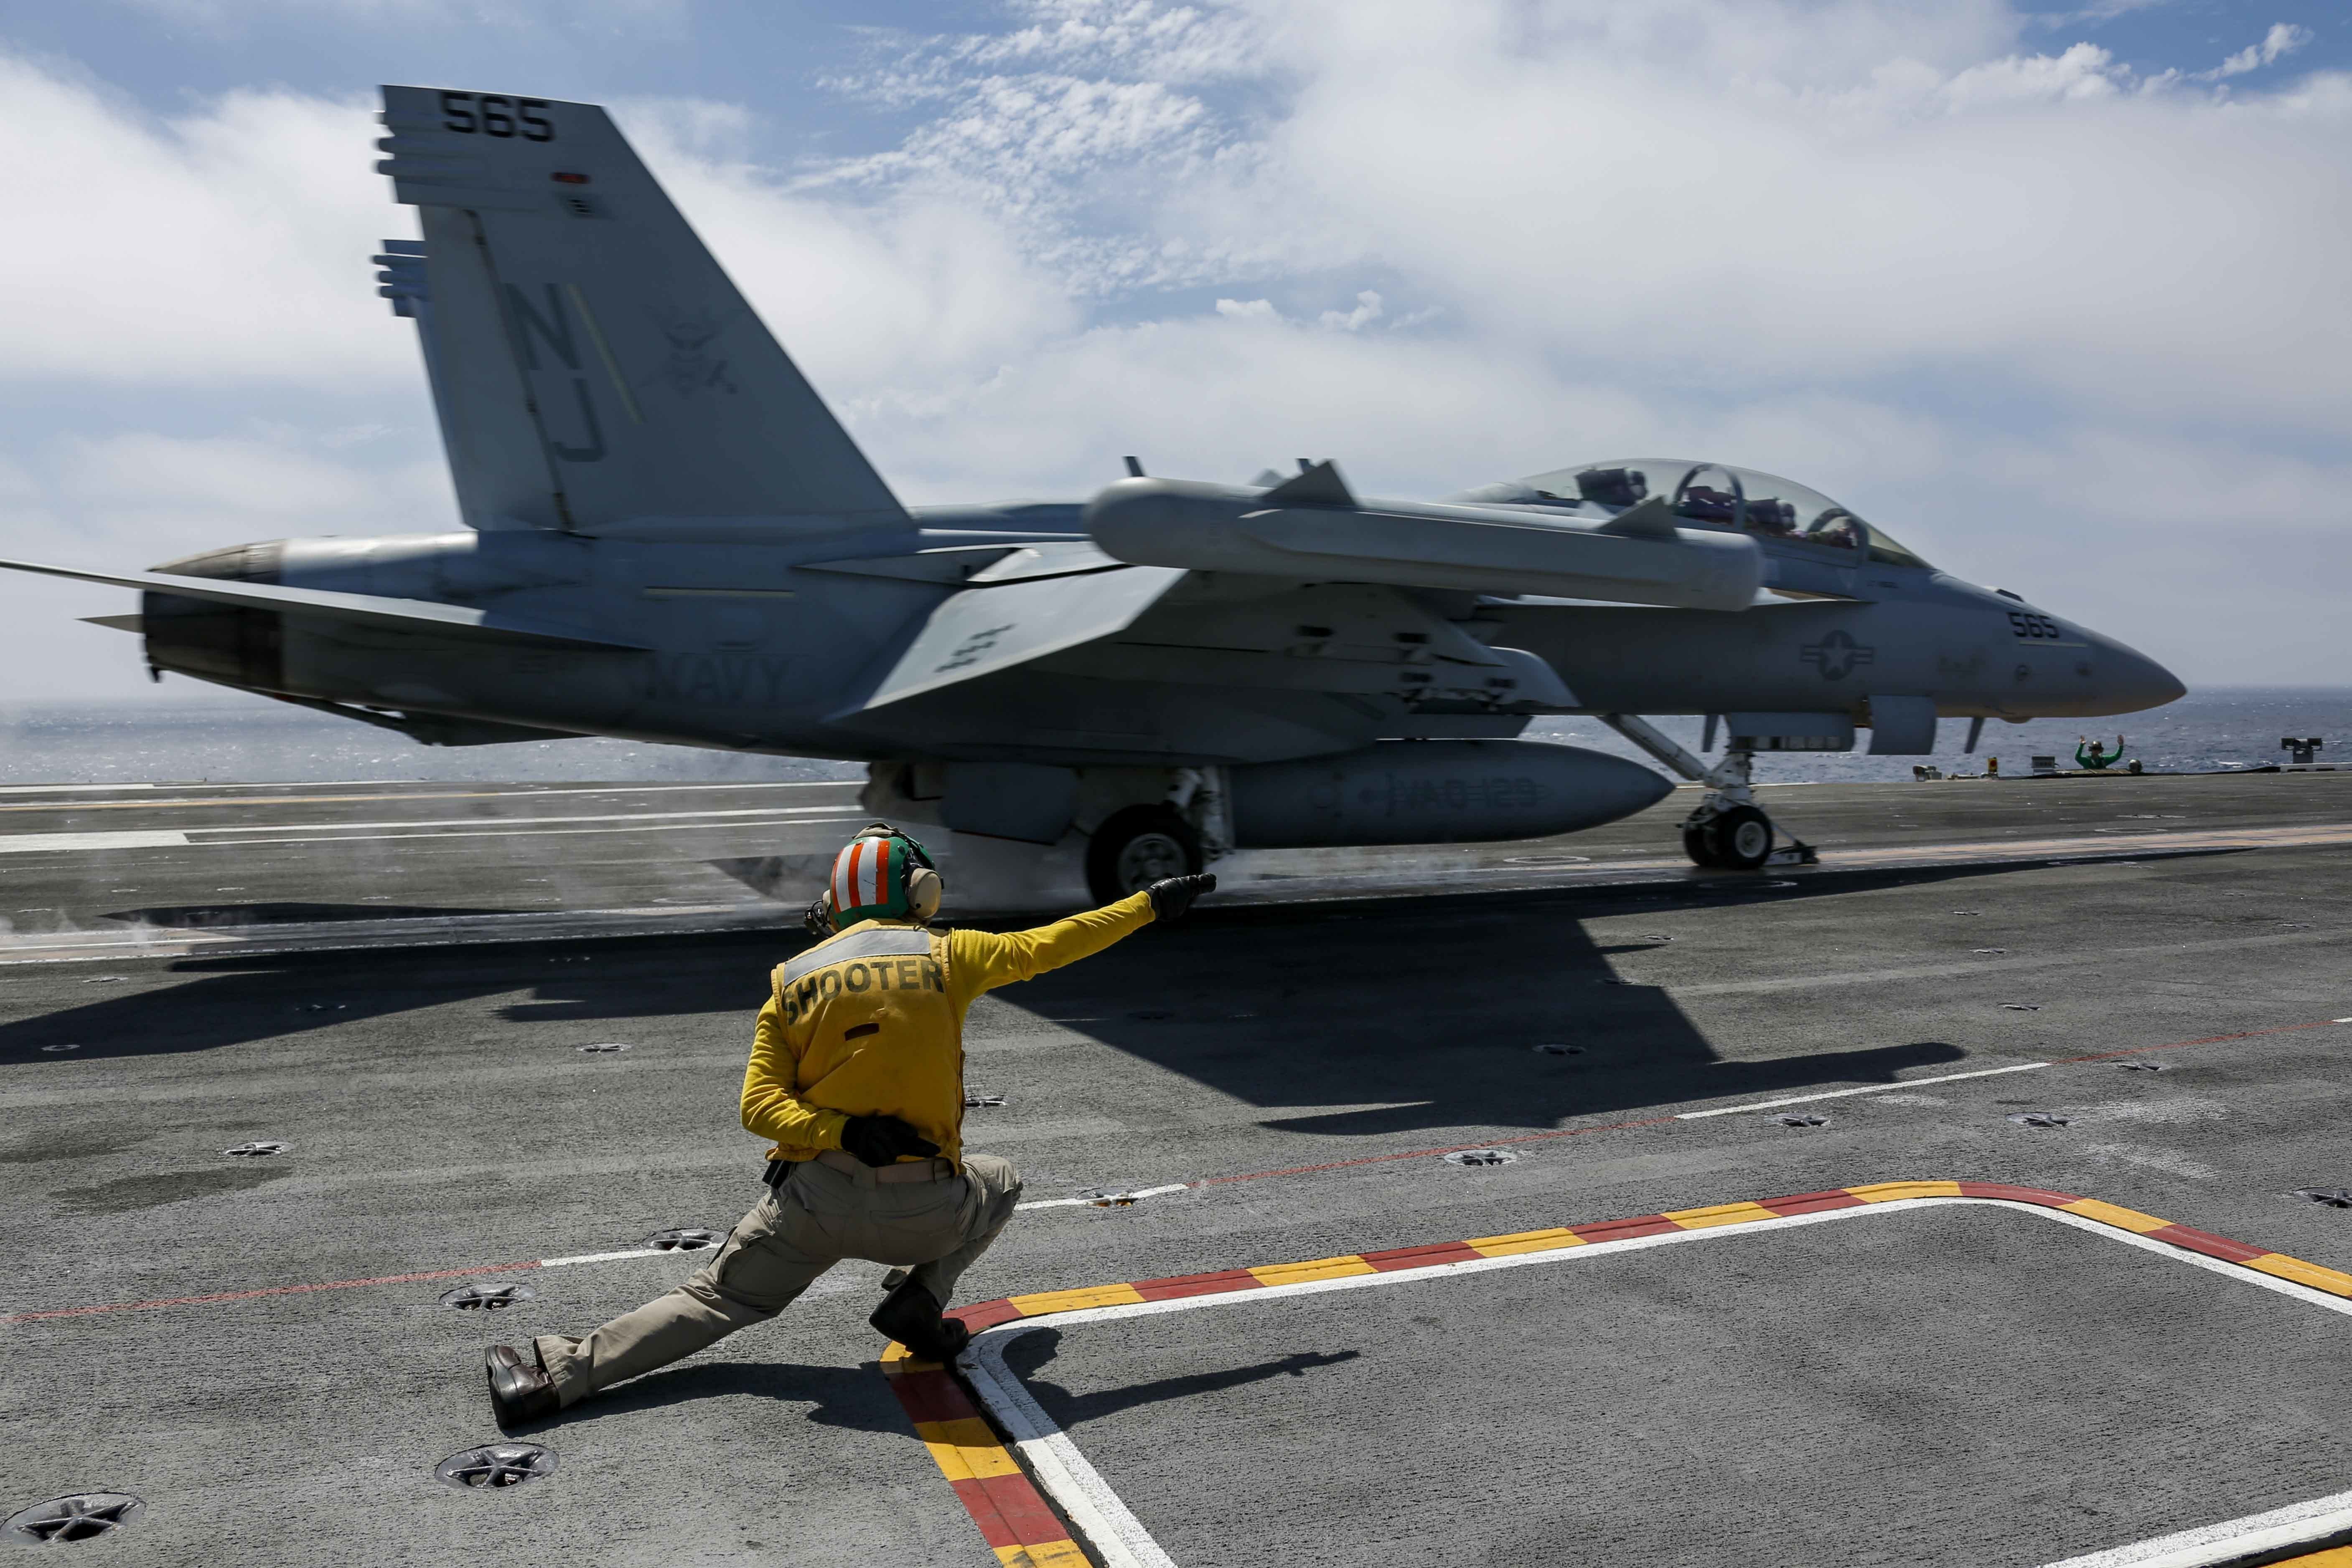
(981, 960)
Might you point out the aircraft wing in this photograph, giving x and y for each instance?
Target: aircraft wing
(983, 630)
(1130, 623)
(358, 609)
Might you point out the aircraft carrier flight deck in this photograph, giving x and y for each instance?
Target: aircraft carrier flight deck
(1974, 1197)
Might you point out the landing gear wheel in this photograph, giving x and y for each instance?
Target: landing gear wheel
(1695, 845)
(1136, 848)
(1740, 838)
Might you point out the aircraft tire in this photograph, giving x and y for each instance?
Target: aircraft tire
(1695, 845)
(1138, 846)
(1740, 838)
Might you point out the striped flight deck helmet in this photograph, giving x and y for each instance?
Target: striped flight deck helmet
(882, 875)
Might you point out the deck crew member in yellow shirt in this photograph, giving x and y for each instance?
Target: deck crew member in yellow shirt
(856, 1073)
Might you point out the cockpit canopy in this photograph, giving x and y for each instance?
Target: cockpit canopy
(1704, 495)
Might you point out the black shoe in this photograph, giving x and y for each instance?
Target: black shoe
(911, 1315)
(519, 1391)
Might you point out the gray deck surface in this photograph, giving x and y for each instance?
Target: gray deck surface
(442, 1119)
(1950, 1387)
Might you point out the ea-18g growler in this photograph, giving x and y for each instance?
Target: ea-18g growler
(668, 537)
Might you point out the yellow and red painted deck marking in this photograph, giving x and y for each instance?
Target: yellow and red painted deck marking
(1013, 1516)
(1022, 1529)
(987, 1314)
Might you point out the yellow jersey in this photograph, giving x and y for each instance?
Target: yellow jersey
(870, 1022)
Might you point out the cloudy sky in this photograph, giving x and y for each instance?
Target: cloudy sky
(2060, 297)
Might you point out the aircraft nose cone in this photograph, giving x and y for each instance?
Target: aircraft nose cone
(2132, 681)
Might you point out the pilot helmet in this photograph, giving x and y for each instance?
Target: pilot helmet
(882, 875)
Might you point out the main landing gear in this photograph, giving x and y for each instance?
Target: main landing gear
(1177, 837)
(1726, 830)
(1138, 846)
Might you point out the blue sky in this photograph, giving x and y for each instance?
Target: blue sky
(2058, 297)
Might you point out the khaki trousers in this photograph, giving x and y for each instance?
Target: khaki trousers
(819, 1215)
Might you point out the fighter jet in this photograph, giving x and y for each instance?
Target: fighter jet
(668, 536)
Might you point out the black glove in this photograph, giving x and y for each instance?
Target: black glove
(1171, 896)
(883, 1140)
(817, 919)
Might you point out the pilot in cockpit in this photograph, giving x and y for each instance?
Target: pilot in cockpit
(1703, 504)
(1619, 488)
(1773, 519)
(1838, 527)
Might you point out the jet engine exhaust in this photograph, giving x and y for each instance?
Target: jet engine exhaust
(230, 643)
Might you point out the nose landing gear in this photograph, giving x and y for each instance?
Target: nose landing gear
(1726, 830)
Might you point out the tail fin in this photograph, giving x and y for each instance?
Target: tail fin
(591, 361)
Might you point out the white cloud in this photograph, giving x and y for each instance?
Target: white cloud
(2282, 40)
(868, 295)
(1171, 43)
(227, 245)
(2017, 218)
(1222, 394)
(1368, 310)
(2084, 70)
(273, 483)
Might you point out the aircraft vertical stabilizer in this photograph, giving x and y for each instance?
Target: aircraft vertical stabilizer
(591, 360)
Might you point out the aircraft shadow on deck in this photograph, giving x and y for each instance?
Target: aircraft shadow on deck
(229, 1001)
(1365, 1000)
(1431, 1009)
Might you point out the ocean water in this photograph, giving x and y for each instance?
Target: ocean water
(228, 737)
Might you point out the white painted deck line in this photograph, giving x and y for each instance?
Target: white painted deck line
(1867, 1089)
(357, 832)
(68, 789)
(491, 828)
(1090, 1202)
(290, 794)
(212, 835)
(616, 1256)
(1122, 1542)
(2297, 1524)
(140, 941)
(51, 843)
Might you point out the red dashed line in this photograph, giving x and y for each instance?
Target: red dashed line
(2208, 1040)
